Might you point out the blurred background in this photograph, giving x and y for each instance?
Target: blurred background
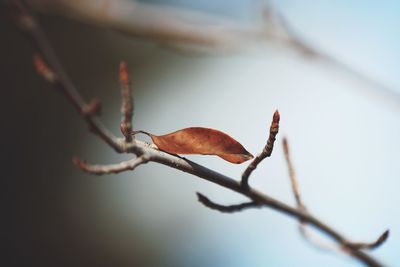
(339, 108)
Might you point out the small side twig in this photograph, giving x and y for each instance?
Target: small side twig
(112, 168)
(292, 175)
(127, 103)
(266, 152)
(226, 209)
(300, 205)
(373, 245)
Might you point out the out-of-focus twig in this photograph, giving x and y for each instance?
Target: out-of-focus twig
(129, 165)
(127, 102)
(297, 196)
(197, 32)
(292, 175)
(161, 23)
(303, 225)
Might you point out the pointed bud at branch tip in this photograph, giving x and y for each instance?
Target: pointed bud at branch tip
(274, 127)
(372, 245)
(123, 73)
(43, 69)
(383, 238)
(276, 118)
(266, 152)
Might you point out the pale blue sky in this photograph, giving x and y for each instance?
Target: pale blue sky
(363, 34)
(346, 157)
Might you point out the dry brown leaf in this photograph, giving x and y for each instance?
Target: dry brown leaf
(204, 141)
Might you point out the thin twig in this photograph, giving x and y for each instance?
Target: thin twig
(300, 205)
(372, 245)
(223, 208)
(127, 102)
(304, 231)
(266, 152)
(112, 168)
(140, 148)
(28, 24)
(292, 175)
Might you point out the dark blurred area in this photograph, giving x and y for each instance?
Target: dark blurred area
(41, 132)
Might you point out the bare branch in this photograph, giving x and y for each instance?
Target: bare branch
(127, 102)
(166, 24)
(266, 152)
(145, 153)
(226, 209)
(299, 203)
(112, 168)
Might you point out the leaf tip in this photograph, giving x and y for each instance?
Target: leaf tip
(249, 156)
(237, 158)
